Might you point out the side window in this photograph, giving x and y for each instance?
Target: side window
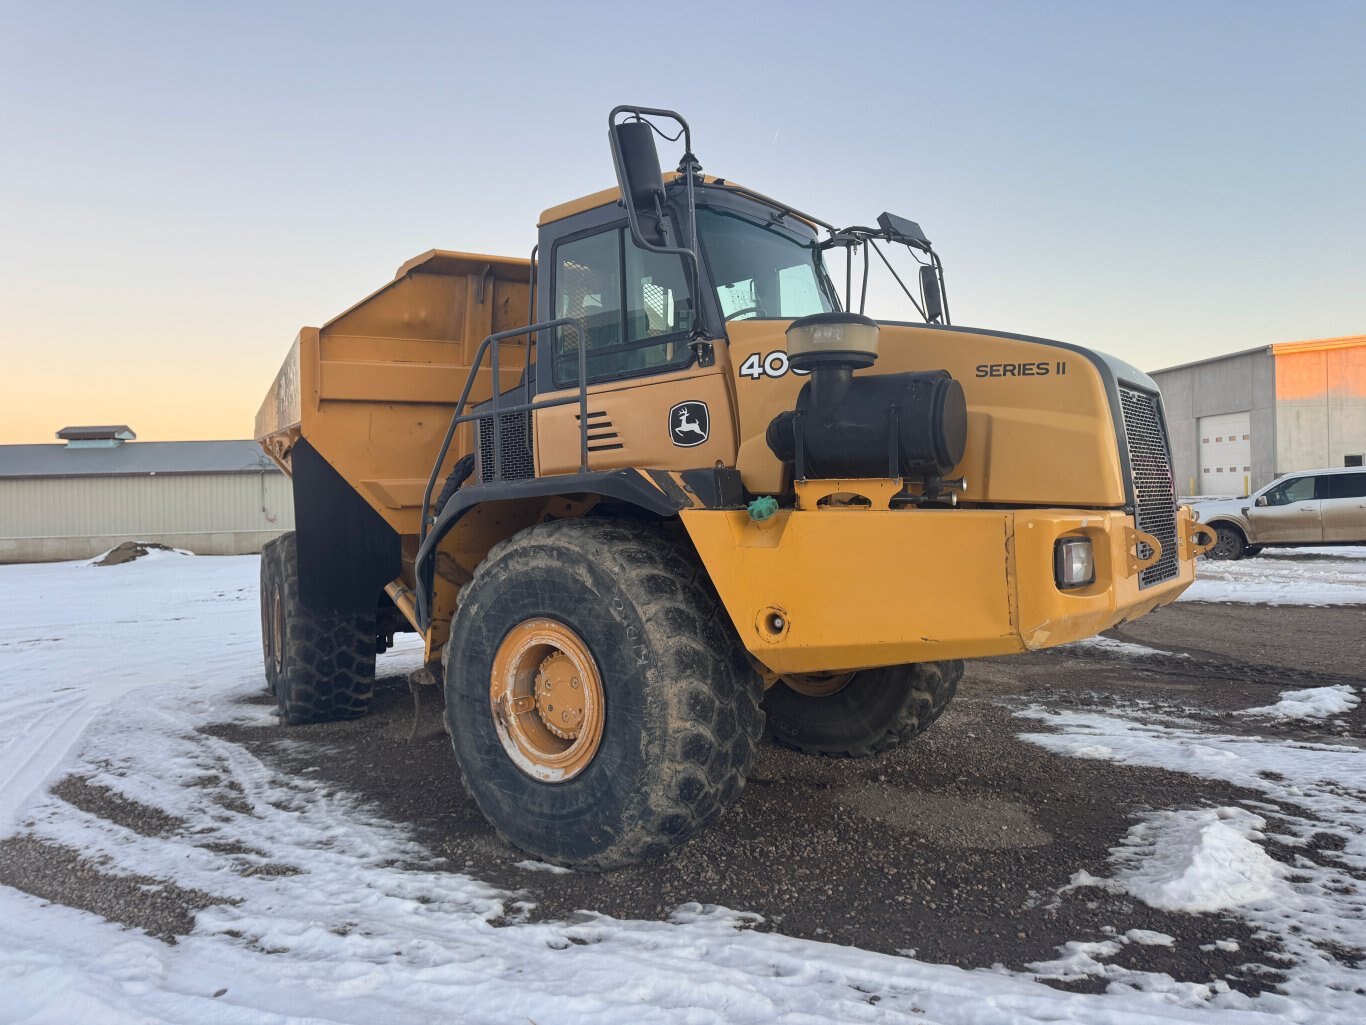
(656, 297)
(588, 285)
(1347, 485)
(634, 304)
(1299, 489)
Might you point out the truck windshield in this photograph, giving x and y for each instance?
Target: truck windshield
(763, 271)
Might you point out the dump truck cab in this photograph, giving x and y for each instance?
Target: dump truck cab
(666, 480)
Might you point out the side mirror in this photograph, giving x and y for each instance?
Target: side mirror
(1261, 501)
(642, 193)
(638, 175)
(929, 291)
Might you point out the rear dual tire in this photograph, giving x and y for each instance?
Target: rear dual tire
(319, 668)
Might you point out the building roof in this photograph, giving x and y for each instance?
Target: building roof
(1211, 359)
(134, 459)
(1276, 349)
(107, 432)
(1315, 344)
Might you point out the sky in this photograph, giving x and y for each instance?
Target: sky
(184, 185)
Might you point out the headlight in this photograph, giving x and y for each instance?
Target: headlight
(1074, 563)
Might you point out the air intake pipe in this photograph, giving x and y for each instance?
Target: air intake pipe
(910, 425)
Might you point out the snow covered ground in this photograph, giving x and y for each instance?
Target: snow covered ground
(321, 911)
(1208, 859)
(1285, 576)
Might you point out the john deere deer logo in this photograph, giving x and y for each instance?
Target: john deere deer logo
(689, 424)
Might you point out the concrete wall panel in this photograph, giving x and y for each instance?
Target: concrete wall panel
(1241, 383)
(65, 549)
(145, 505)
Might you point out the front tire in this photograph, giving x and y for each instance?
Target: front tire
(659, 735)
(863, 713)
(319, 668)
(1230, 543)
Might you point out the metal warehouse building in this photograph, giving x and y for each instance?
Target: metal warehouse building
(81, 498)
(1240, 421)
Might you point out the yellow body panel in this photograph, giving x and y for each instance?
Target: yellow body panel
(1036, 439)
(629, 423)
(854, 588)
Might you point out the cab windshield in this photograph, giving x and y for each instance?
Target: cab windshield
(763, 271)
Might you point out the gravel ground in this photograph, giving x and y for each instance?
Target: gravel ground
(954, 847)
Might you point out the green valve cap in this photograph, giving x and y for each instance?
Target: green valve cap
(762, 508)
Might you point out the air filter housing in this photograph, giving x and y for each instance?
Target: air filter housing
(883, 425)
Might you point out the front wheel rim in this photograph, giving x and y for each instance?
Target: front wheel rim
(818, 685)
(546, 699)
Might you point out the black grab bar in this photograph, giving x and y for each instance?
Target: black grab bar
(498, 411)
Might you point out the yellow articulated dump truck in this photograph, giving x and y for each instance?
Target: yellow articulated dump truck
(660, 485)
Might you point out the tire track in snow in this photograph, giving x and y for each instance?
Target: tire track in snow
(46, 703)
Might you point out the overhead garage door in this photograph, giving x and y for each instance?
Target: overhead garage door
(1225, 454)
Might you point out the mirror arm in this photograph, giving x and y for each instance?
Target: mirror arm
(943, 290)
(863, 295)
(898, 280)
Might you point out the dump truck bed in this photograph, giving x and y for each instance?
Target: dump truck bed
(374, 388)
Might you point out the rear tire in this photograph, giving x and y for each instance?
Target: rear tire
(668, 742)
(319, 668)
(1230, 543)
(874, 711)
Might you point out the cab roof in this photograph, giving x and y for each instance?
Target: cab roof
(613, 195)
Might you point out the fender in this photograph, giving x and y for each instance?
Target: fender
(1237, 523)
(517, 504)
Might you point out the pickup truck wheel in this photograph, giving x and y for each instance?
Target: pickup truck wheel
(860, 714)
(600, 704)
(1230, 544)
(319, 668)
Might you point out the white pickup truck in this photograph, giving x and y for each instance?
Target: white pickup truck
(1313, 507)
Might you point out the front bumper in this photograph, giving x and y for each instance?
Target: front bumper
(840, 589)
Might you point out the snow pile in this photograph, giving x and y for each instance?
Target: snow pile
(1312, 703)
(1198, 860)
(1313, 903)
(1150, 938)
(1284, 576)
(131, 550)
(1112, 646)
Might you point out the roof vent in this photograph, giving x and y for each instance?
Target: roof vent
(108, 436)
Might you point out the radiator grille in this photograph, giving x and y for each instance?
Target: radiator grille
(518, 461)
(1154, 488)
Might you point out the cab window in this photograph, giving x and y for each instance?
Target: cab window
(634, 304)
(1298, 489)
(763, 270)
(1347, 485)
